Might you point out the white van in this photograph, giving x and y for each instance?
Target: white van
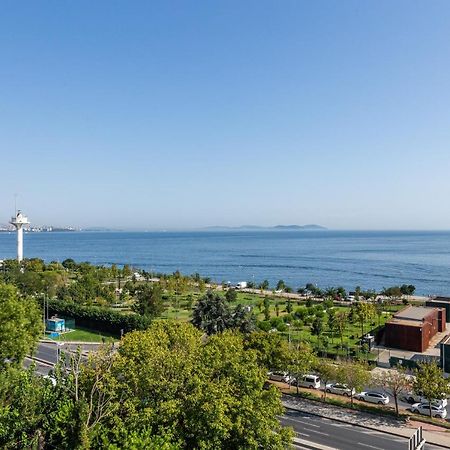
(309, 381)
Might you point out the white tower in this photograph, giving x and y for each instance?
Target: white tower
(19, 221)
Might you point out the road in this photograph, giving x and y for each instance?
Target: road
(313, 432)
(46, 355)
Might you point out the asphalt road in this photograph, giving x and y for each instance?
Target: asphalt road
(313, 432)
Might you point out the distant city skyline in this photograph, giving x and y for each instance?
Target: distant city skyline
(184, 115)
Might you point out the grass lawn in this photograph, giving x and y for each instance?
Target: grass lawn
(85, 335)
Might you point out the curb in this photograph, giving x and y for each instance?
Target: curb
(42, 361)
(360, 426)
(50, 341)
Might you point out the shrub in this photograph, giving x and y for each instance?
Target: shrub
(264, 325)
(98, 318)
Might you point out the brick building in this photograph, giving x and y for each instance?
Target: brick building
(440, 302)
(412, 328)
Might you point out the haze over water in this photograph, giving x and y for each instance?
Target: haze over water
(370, 259)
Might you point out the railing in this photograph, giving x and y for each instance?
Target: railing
(416, 441)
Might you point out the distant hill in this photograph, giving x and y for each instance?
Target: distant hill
(299, 227)
(275, 228)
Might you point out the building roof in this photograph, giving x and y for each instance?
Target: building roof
(418, 313)
(440, 299)
(405, 322)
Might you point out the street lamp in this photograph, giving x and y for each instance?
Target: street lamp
(59, 346)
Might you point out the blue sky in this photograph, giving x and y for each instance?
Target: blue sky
(178, 114)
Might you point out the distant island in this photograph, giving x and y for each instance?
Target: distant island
(275, 228)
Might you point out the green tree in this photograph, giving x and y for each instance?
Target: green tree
(266, 308)
(213, 314)
(231, 295)
(328, 372)
(281, 285)
(27, 405)
(302, 360)
(364, 313)
(264, 286)
(396, 382)
(204, 395)
(341, 320)
(317, 326)
(149, 301)
(271, 349)
(277, 309)
(20, 325)
(289, 307)
(355, 375)
(430, 383)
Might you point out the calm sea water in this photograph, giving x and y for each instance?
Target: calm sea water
(328, 258)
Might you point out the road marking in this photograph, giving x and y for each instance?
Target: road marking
(312, 444)
(302, 434)
(319, 432)
(367, 445)
(300, 421)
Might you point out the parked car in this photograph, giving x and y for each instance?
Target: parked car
(415, 398)
(309, 381)
(341, 389)
(424, 408)
(373, 397)
(280, 376)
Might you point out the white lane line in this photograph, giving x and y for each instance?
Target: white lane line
(315, 445)
(301, 421)
(302, 434)
(367, 445)
(319, 432)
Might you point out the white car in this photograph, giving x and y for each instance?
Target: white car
(280, 376)
(414, 398)
(309, 381)
(373, 397)
(341, 389)
(424, 408)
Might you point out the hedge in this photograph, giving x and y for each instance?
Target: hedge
(98, 318)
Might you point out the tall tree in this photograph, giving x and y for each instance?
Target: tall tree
(355, 375)
(231, 295)
(281, 285)
(430, 383)
(149, 300)
(21, 324)
(328, 371)
(396, 382)
(364, 313)
(341, 320)
(213, 314)
(204, 395)
(271, 349)
(302, 360)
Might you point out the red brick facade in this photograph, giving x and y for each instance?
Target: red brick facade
(414, 334)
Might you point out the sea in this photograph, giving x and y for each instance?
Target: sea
(370, 259)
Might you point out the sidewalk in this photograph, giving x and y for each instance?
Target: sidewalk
(433, 434)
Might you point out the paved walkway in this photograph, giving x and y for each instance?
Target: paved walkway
(433, 434)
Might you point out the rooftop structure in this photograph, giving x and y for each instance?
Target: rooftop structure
(19, 221)
(440, 302)
(416, 313)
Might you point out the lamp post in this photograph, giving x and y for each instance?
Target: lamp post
(59, 346)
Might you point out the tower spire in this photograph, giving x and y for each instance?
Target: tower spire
(18, 221)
